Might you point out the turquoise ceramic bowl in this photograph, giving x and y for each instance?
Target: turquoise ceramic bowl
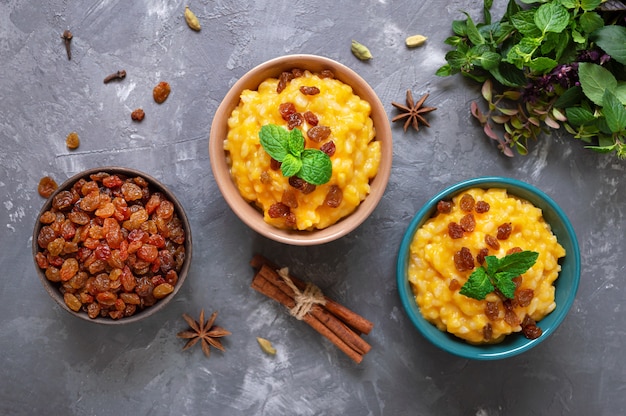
(566, 284)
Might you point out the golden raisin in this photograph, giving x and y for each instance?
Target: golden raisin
(47, 186)
(161, 92)
(72, 141)
(137, 115)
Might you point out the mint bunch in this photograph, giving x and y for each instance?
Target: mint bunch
(287, 147)
(498, 273)
(547, 65)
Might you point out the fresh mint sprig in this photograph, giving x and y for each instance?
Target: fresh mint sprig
(498, 273)
(287, 147)
(546, 64)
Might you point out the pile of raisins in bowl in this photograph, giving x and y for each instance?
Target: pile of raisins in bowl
(112, 245)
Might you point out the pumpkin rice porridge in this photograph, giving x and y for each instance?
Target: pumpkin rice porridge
(488, 223)
(332, 119)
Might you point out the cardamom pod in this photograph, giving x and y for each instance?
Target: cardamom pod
(191, 19)
(266, 346)
(415, 40)
(361, 51)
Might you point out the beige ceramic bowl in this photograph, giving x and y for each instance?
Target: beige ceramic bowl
(154, 186)
(249, 214)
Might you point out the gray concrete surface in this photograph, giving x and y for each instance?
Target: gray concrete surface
(55, 364)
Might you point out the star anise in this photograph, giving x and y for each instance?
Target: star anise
(206, 333)
(413, 111)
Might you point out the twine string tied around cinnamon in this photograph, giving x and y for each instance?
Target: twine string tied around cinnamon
(305, 299)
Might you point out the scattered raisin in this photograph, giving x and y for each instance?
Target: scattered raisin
(481, 207)
(301, 185)
(530, 328)
(514, 250)
(286, 110)
(309, 90)
(524, 297)
(310, 118)
(161, 92)
(278, 210)
(492, 311)
(329, 148)
(72, 141)
(318, 133)
(454, 230)
(482, 253)
(468, 223)
(47, 186)
(467, 203)
(327, 73)
(275, 164)
(444, 207)
(295, 120)
(463, 260)
(137, 114)
(284, 79)
(487, 332)
(454, 285)
(289, 198)
(504, 231)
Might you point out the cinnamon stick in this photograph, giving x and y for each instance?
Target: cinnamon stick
(350, 318)
(261, 284)
(329, 320)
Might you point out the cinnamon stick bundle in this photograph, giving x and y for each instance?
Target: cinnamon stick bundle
(337, 323)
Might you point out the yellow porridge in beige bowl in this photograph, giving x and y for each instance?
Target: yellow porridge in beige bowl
(476, 230)
(301, 149)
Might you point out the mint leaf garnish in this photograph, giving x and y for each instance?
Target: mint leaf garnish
(287, 147)
(498, 273)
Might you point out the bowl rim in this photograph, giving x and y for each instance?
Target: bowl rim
(54, 291)
(246, 211)
(451, 343)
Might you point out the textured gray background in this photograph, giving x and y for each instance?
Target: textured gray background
(55, 364)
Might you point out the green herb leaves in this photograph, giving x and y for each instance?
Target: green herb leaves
(498, 273)
(287, 147)
(559, 57)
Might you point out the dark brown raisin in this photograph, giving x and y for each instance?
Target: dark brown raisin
(327, 73)
(289, 198)
(530, 328)
(278, 210)
(290, 220)
(283, 80)
(63, 200)
(318, 133)
(482, 253)
(487, 332)
(454, 230)
(333, 197)
(329, 148)
(463, 260)
(309, 90)
(481, 207)
(492, 242)
(524, 297)
(297, 72)
(310, 118)
(444, 207)
(301, 185)
(286, 110)
(295, 120)
(467, 203)
(492, 312)
(468, 223)
(504, 231)
(510, 317)
(275, 164)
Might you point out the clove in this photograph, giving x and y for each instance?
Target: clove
(121, 74)
(67, 38)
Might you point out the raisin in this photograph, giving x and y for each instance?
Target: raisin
(53, 274)
(286, 110)
(463, 260)
(295, 120)
(301, 185)
(161, 91)
(275, 164)
(444, 207)
(78, 217)
(487, 332)
(318, 133)
(491, 310)
(514, 250)
(72, 301)
(137, 114)
(131, 191)
(510, 317)
(329, 148)
(290, 220)
(148, 252)
(504, 231)
(454, 230)
(162, 290)
(327, 73)
(524, 297)
(47, 186)
(530, 328)
(468, 223)
(63, 200)
(309, 90)
(165, 210)
(289, 198)
(72, 141)
(69, 269)
(492, 242)
(481, 207)
(278, 210)
(482, 253)
(310, 118)
(454, 285)
(467, 203)
(284, 79)
(90, 202)
(45, 236)
(112, 181)
(333, 197)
